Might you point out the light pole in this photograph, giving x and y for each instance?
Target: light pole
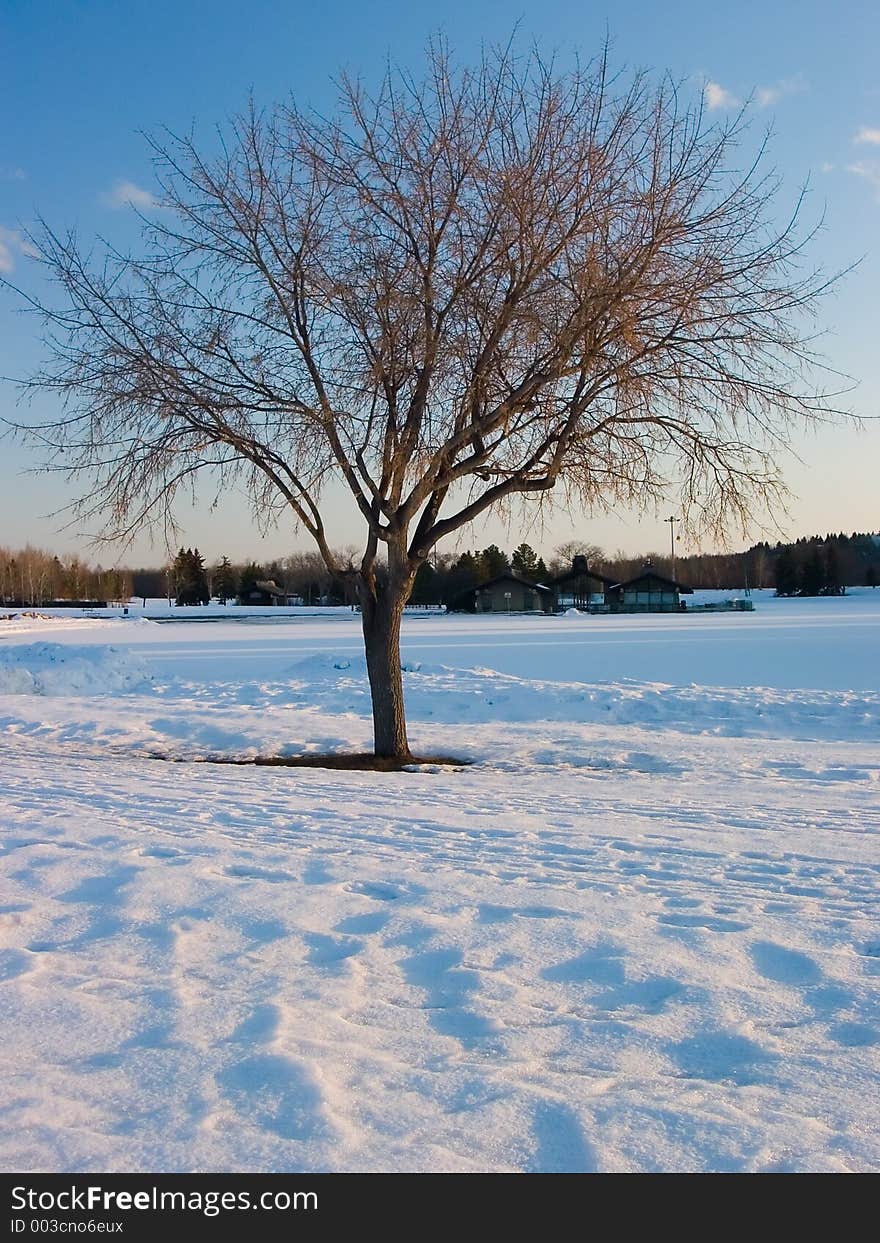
(672, 521)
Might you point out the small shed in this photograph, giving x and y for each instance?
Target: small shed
(580, 587)
(648, 592)
(508, 593)
(264, 592)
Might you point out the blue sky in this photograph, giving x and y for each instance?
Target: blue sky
(80, 78)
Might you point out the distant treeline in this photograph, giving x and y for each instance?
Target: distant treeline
(811, 566)
(814, 565)
(190, 581)
(32, 576)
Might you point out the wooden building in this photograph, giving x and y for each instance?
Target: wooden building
(265, 592)
(508, 593)
(648, 592)
(580, 587)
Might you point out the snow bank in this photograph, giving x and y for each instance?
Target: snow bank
(337, 683)
(64, 669)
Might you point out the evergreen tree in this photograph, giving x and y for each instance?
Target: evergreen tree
(493, 562)
(524, 562)
(426, 588)
(462, 575)
(541, 571)
(248, 579)
(871, 576)
(813, 573)
(468, 563)
(200, 578)
(188, 578)
(832, 585)
(178, 575)
(224, 581)
(787, 578)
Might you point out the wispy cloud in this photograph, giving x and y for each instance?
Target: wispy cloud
(718, 96)
(868, 170)
(767, 96)
(129, 194)
(825, 167)
(12, 244)
(867, 135)
(8, 173)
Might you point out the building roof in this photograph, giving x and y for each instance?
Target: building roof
(510, 577)
(650, 572)
(581, 569)
(269, 587)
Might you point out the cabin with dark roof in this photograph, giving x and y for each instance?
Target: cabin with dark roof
(264, 592)
(508, 593)
(580, 587)
(648, 592)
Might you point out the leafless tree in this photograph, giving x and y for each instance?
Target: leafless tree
(457, 293)
(307, 574)
(564, 555)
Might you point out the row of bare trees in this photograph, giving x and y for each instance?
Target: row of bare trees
(33, 576)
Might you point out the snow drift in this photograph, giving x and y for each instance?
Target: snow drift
(63, 669)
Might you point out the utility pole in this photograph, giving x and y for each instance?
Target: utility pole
(672, 521)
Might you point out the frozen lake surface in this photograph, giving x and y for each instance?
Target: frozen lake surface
(827, 644)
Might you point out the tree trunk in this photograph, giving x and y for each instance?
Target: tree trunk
(381, 623)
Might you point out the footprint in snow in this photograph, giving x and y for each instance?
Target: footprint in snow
(102, 889)
(373, 922)
(650, 995)
(561, 1147)
(317, 873)
(261, 930)
(331, 952)
(854, 1035)
(379, 891)
(603, 964)
(712, 923)
(246, 871)
(490, 914)
(722, 1057)
(448, 987)
(604, 967)
(15, 963)
(277, 1094)
(260, 1026)
(682, 904)
(784, 966)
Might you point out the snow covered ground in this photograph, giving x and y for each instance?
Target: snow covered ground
(640, 932)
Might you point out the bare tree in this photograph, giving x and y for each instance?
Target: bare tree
(564, 555)
(457, 293)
